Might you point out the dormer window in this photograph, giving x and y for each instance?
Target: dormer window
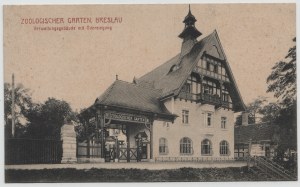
(174, 68)
(186, 88)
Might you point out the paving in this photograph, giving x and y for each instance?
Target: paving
(137, 165)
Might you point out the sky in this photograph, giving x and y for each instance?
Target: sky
(77, 66)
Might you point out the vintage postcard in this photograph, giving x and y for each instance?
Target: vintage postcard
(150, 93)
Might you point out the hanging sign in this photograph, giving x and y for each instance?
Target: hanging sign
(126, 117)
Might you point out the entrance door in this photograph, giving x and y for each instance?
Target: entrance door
(144, 151)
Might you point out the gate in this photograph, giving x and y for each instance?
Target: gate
(125, 154)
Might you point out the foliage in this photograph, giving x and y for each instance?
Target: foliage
(282, 80)
(46, 120)
(254, 110)
(134, 175)
(23, 102)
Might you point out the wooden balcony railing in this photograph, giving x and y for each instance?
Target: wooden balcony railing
(211, 74)
(205, 99)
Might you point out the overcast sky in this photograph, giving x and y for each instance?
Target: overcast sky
(77, 66)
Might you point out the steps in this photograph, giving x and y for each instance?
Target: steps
(271, 170)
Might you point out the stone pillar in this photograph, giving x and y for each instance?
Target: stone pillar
(245, 118)
(68, 137)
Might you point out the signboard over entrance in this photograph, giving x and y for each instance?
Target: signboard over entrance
(126, 117)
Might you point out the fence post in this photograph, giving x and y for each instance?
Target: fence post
(69, 146)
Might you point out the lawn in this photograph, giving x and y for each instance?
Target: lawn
(131, 175)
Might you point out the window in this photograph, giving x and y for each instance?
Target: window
(186, 146)
(185, 116)
(207, 65)
(216, 68)
(187, 88)
(224, 148)
(206, 147)
(163, 146)
(223, 122)
(208, 119)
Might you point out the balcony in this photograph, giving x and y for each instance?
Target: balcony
(205, 99)
(211, 74)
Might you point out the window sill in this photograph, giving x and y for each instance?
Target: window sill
(206, 154)
(163, 153)
(186, 154)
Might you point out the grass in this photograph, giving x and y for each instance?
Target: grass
(131, 175)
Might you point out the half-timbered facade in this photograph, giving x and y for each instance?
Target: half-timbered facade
(181, 110)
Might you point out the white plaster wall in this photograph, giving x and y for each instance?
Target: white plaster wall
(196, 130)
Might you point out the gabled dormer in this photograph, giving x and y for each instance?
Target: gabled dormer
(211, 80)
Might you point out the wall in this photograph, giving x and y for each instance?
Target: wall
(196, 129)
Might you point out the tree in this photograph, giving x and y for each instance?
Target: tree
(282, 80)
(254, 110)
(269, 112)
(46, 120)
(23, 102)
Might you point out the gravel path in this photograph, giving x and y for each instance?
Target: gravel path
(139, 165)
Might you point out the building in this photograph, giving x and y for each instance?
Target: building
(181, 110)
(255, 140)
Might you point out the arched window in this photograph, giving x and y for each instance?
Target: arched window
(224, 148)
(186, 146)
(163, 146)
(206, 147)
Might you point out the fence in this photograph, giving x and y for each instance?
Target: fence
(85, 150)
(32, 151)
(193, 159)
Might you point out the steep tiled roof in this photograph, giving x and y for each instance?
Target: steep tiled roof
(172, 82)
(132, 96)
(255, 132)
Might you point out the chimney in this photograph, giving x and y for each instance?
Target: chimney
(245, 116)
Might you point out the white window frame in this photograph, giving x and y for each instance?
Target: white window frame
(209, 148)
(224, 148)
(186, 148)
(207, 114)
(185, 116)
(223, 122)
(164, 144)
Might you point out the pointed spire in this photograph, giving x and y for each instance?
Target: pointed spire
(189, 33)
(189, 8)
(190, 30)
(134, 80)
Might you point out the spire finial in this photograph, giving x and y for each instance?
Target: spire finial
(117, 77)
(189, 8)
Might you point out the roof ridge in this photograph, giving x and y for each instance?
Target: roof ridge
(138, 85)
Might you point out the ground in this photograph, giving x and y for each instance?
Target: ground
(131, 175)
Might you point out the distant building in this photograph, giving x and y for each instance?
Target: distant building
(181, 110)
(255, 139)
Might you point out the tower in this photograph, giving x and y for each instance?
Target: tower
(189, 33)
